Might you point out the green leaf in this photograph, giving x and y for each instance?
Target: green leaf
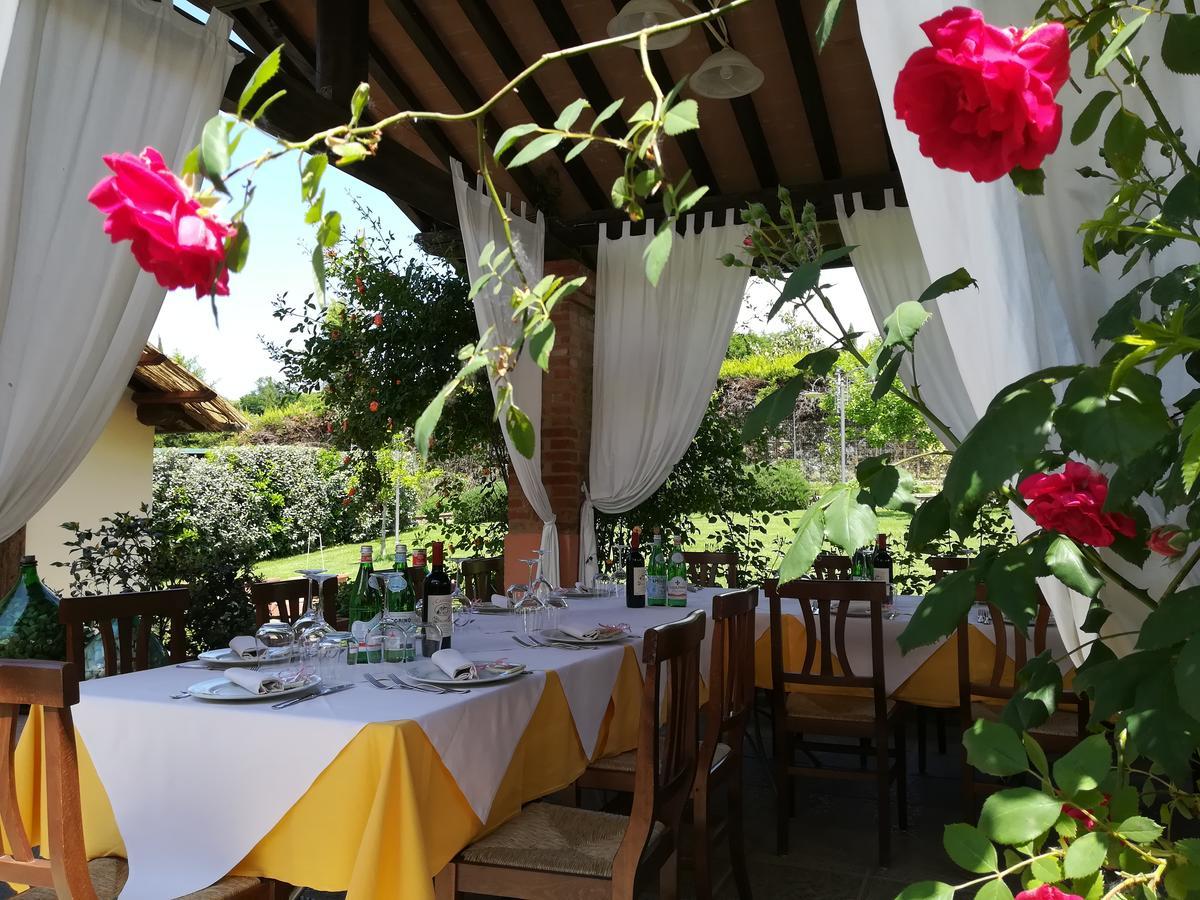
(1187, 675)
(1046, 870)
(994, 890)
(948, 284)
(570, 115)
(1084, 767)
(848, 523)
(924, 890)
(940, 612)
(1031, 182)
(930, 522)
(1018, 815)
(349, 152)
(683, 116)
(1139, 830)
(1173, 621)
(818, 362)
(1067, 563)
(886, 486)
(969, 849)
(1181, 44)
(541, 144)
(1038, 690)
(427, 421)
(330, 230)
(579, 147)
(1114, 46)
(541, 342)
(318, 267)
(1182, 204)
(775, 407)
(1112, 425)
(265, 72)
(520, 430)
(1036, 754)
(1011, 579)
(214, 151)
(606, 113)
(799, 283)
(886, 377)
(238, 248)
(1125, 143)
(1085, 855)
(310, 176)
(810, 536)
(994, 749)
(902, 325)
(1085, 126)
(512, 135)
(1011, 433)
(829, 19)
(657, 252)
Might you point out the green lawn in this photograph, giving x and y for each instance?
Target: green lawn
(344, 557)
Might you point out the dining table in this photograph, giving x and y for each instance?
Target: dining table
(372, 791)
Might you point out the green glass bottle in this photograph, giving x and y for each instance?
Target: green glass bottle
(365, 606)
(656, 573)
(677, 581)
(402, 605)
(29, 626)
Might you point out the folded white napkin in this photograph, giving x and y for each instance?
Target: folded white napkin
(455, 665)
(247, 647)
(255, 682)
(583, 632)
(500, 600)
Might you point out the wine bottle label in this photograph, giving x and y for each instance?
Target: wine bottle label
(639, 581)
(884, 576)
(656, 590)
(441, 610)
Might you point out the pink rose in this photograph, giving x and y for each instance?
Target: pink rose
(1046, 892)
(981, 98)
(1078, 815)
(1167, 540)
(173, 236)
(1071, 502)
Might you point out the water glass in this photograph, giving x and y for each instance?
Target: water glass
(333, 658)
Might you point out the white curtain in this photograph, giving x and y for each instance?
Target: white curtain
(1036, 305)
(81, 79)
(480, 223)
(658, 353)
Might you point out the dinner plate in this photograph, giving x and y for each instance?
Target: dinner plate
(557, 634)
(225, 657)
(224, 689)
(426, 671)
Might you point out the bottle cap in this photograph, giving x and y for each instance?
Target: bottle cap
(29, 560)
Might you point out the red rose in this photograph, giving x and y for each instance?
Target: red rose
(172, 236)
(378, 320)
(345, 501)
(747, 241)
(346, 460)
(1078, 815)
(374, 406)
(1071, 502)
(1046, 892)
(981, 99)
(358, 283)
(1167, 540)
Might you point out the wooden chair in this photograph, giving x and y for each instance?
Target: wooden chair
(832, 567)
(704, 567)
(127, 652)
(1065, 728)
(548, 850)
(287, 600)
(67, 873)
(719, 764)
(480, 578)
(841, 709)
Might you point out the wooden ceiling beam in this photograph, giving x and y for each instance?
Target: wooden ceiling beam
(403, 97)
(341, 48)
(441, 60)
(173, 398)
(804, 64)
(280, 30)
(750, 126)
(491, 32)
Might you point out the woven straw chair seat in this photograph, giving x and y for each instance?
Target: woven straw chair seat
(627, 761)
(1063, 723)
(839, 707)
(110, 873)
(546, 837)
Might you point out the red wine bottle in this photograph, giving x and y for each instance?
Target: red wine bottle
(882, 566)
(635, 572)
(438, 591)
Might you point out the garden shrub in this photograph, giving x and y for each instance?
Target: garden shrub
(780, 485)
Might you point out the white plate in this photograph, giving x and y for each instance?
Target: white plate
(490, 609)
(225, 657)
(557, 634)
(224, 689)
(429, 673)
(577, 593)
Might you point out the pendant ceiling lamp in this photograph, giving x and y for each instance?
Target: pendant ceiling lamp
(639, 14)
(726, 74)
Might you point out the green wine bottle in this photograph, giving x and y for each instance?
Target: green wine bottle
(656, 573)
(365, 606)
(677, 581)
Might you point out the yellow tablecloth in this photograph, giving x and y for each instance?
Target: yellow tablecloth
(386, 815)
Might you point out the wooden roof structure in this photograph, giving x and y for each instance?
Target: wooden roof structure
(815, 125)
(171, 399)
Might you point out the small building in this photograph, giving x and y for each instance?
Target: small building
(117, 473)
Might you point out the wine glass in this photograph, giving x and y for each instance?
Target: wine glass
(278, 640)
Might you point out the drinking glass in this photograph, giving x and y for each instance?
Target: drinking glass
(280, 656)
(425, 639)
(333, 658)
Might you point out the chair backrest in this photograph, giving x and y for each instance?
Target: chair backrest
(826, 661)
(54, 686)
(128, 652)
(730, 675)
(666, 764)
(704, 567)
(833, 567)
(286, 600)
(481, 577)
(1000, 682)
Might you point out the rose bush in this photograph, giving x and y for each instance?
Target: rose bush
(172, 234)
(981, 98)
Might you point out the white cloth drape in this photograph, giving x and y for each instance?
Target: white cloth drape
(480, 224)
(657, 355)
(81, 79)
(1037, 305)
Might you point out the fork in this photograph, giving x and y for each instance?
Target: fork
(532, 644)
(182, 695)
(427, 688)
(376, 682)
(560, 645)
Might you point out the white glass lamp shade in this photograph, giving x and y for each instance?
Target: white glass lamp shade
(639, 14)
(726, 74)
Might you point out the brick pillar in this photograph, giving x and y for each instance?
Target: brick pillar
(566, 433)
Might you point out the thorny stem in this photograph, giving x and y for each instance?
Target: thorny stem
(1016, 867)
(1182, 573)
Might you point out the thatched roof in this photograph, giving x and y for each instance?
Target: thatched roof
(171, 399)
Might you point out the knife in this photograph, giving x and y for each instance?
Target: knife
(321, 693)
